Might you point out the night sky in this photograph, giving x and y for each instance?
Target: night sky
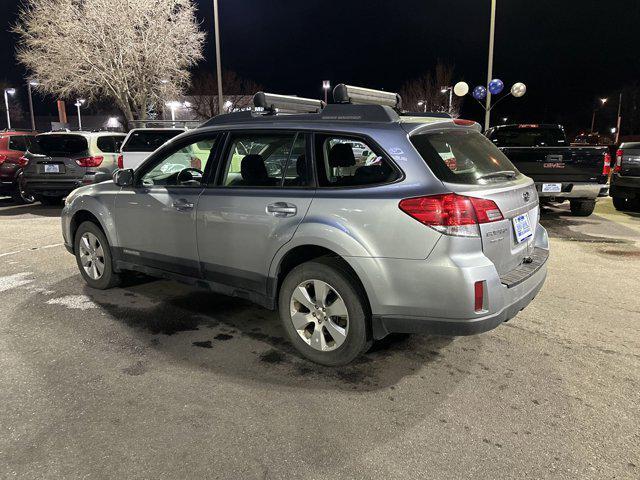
(568, 52)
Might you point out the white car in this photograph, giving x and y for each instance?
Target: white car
(141, 142)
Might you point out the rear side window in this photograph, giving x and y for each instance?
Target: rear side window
(148, 140)
(20, 143)
(110, 144)
(266, 160)
(526, 136)
(350, 162)
(462, 156)
(59, 145)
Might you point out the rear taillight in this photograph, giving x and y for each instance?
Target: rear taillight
(606, 166)
(89, 161)
(452, 214)
(478, 296)
(120, 162)
(23, 161)
(618, 165)
(463, 122)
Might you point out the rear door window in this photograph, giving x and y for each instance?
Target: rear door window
(56, 145)
(463, 156)
(110, 144)
(350, 162)
(20, 143)
(148, 140)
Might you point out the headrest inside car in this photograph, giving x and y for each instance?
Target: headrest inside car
(253, 168)
(341, 155)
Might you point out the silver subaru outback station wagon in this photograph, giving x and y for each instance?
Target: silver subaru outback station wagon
(426, 227)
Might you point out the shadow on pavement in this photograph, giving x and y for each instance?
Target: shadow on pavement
(234, 337)
(8, 208)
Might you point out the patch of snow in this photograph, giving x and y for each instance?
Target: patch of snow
(75, 302)
(13, 281)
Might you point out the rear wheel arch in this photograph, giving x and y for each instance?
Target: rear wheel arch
(305, 253)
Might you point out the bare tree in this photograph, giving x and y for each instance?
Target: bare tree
(136, 52)
(237, 93)
(425, 93)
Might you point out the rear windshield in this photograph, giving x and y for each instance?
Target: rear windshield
(463, 156)
(148, 140)
(528, 137)
(59, 145)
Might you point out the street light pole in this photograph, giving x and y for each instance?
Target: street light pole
(593, 118)
(619, 124)
(492, 31)
(31, 83)
(326, 85)
(218, 61)
(79, 103)
(7, 92)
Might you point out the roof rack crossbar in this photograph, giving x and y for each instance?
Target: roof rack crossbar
(366, 96)
(273, 103)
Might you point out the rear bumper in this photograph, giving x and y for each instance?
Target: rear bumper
(52, 187)
(574, 190)
(436, 295)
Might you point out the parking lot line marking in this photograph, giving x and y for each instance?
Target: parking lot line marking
(6, 254)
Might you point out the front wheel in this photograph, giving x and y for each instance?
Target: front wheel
(582, 208)
(93, 256)
(324, 312)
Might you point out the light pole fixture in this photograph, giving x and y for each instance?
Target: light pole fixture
(78, 104)
(450, 90)
(593, 117)
(227, 106)
(423, 104)
(7, 92)
(32, 83)
(326, 85)
(492, 31)
(495, 87)
(216, 28)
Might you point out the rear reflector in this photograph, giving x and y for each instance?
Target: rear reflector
(120, 162)
(452, 214)
(619, 155)
(89, 161)
(606, 167)
(479, 296)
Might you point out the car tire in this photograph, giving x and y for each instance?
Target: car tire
(20, 194)
(93, 256)
(50, 201)
(582, 208)
(338, 339)
(621, 203)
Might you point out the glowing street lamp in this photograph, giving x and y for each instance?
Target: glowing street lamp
(593, 117)
(78, 104)
(7, 92)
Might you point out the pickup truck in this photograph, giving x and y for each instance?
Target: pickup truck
(561, 171)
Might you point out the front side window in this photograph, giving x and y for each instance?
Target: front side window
(184, 167)
(463, 156)
(348, 162)
(265, 160)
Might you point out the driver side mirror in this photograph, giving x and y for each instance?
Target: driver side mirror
(123, 178)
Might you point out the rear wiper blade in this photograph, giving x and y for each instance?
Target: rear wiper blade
(501, 173)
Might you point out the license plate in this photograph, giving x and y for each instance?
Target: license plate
(522, 227)
(552, 187)
(52, 168)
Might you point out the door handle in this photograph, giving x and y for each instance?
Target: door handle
(282, 209)
(182, 205)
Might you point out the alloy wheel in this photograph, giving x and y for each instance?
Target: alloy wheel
(24, 195)
(91, 255)
(319, 315)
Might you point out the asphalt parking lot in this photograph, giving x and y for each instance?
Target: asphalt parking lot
(160, 380)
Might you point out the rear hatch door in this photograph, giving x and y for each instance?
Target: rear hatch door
(469, 164)
(630, 164)
(53, 157)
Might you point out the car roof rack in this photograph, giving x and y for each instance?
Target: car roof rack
(366, 96)
(273, 103)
